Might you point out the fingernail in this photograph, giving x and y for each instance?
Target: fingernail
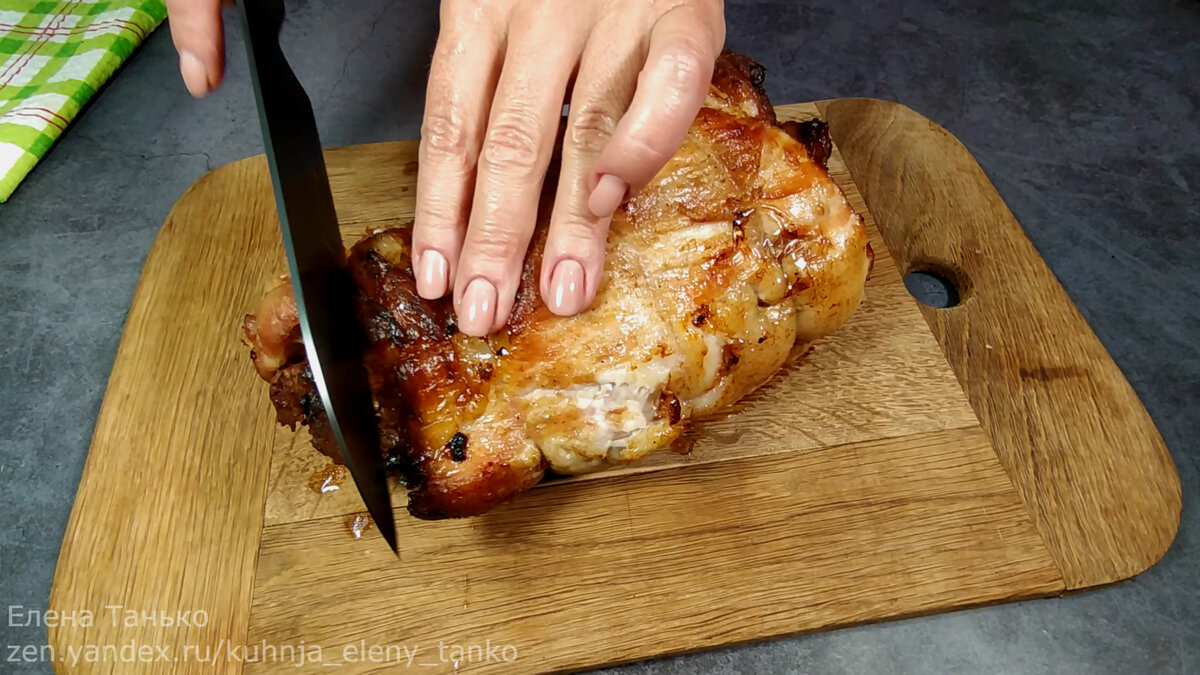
(434, 275)
(566, 288)
(607, 196)
(195, 76)
(478, 308)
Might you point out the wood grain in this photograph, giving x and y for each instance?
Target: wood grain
(631, 567)
(1066, 424)
(169, 510)
(788, 516)
(832, 396)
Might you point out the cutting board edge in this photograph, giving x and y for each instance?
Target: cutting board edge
(915, 131)
(64, 597)
(1172, 500)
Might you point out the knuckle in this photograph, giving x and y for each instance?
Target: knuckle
(684, 63)
(646, 149)
(494, 248)
(592, 127)
(511, 145)
(452, 8)
(578, 239)
(438, 216)
(443, 135)
(718, 30)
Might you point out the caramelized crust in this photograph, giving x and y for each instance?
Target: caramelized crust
(736, 256)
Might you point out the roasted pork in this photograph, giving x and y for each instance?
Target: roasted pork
(736, 256)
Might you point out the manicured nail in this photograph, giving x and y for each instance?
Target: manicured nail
(566, 288)
(433, 276)
(477, 310)
(607, 196)
(195, 76)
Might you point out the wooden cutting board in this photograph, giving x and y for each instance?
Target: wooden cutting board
(919, 460)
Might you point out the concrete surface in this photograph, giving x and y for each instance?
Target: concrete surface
(1085, 114)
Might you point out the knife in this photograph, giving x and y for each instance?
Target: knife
(324, 291)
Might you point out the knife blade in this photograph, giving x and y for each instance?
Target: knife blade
(324, 291)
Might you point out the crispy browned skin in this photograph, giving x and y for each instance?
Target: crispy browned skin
(737, 255)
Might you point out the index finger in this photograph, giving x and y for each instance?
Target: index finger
(672, 86)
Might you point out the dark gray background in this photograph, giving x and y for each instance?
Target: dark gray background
(1086, 115)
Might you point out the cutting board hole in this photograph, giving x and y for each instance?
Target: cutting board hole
(932, 288)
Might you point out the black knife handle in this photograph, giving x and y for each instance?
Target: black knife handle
(270, 14)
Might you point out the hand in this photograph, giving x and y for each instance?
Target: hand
(199, 38)
(637, 71)
(499, 77)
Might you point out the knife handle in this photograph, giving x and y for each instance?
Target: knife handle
(264, 17)
(272, 14)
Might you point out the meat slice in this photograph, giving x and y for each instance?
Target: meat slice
(738, 254)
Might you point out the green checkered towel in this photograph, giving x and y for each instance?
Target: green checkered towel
(53, 57)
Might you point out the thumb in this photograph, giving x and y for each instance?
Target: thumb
(671, 88)
(198, 34)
